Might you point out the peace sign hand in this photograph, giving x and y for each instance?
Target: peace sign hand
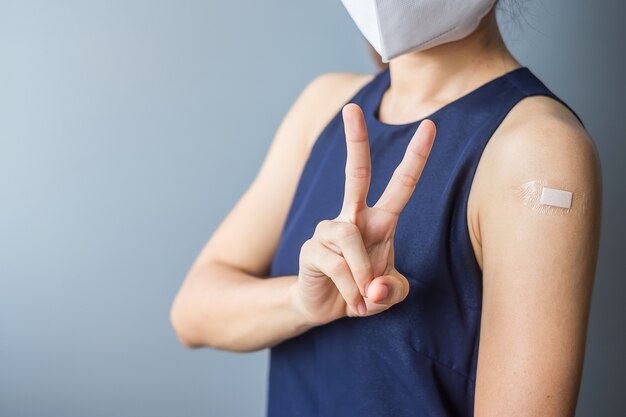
(347, 266)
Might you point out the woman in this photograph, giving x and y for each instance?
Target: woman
(403, 217)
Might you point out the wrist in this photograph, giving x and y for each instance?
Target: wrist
(302, 320)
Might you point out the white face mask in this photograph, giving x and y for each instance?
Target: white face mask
(395, 27)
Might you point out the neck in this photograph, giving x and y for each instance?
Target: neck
(447, 71)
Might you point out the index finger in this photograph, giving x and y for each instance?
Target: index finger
(408, 172)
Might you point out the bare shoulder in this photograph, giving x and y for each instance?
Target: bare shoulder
(326, 94)
(536, 212)
(540, 125)
(541, 138)
(539, 142)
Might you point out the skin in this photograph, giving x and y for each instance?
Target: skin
(347, 267)
(538, 269)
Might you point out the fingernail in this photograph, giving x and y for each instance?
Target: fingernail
(361, 308)
(367, 284)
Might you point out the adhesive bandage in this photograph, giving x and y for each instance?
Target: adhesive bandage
(556, 198)
(538, 196)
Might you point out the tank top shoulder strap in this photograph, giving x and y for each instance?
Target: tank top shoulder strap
(488, 106)
(528, 84)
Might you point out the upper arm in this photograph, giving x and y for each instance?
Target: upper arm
(538, 263)
(248, 236)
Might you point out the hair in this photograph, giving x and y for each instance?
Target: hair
(510, 10)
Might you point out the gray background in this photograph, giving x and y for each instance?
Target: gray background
(128, 129)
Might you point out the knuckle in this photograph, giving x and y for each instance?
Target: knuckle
(305, 257)
(362, 271)
(415, 151)
(306, 246)
(358, 172)
(345, 230)
(338, 267)
(407, 179)
(322, 226)
(405, 286)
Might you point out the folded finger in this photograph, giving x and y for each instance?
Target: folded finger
(336, 268)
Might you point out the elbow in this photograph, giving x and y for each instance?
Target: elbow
(181, 326)
(191, 336)
(190, 315)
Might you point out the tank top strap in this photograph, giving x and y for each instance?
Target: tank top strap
(528, 84)
(487, 107)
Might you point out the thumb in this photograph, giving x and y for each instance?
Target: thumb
(388, 289)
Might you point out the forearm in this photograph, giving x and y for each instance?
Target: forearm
(222, 307)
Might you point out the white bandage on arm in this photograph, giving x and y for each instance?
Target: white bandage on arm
(556, 198)
(553, 199)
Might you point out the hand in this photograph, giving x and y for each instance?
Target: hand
(347, 267)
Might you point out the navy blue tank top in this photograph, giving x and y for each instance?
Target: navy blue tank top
(419, 357)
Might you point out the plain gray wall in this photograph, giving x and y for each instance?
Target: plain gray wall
(128, 130)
